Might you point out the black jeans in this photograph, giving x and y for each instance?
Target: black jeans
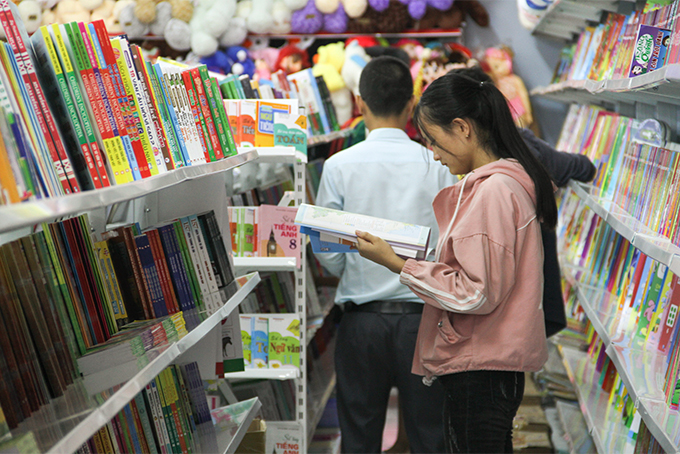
(373, 353)
(479, 409)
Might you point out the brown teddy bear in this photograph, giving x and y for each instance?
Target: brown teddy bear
(454, 16)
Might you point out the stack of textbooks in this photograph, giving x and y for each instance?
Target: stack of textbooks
(166, 416)
(265, 231)
(334, 231)
(273, 295)
(277, 397)
(639, 177)
(646, 40)
(270, 341)
(310, 91)
(640, 295)
(80, 110)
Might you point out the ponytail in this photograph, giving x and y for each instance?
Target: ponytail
(469, 95)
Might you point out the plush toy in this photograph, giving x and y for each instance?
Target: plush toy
(454, 17)
(355, 60)
(498, 62)
(236, 32)
(145, 11)
(417, 8)
(31, 14)
(394, 19)
(182, 9)
(178, 34)
(291, 59)
(218, 62)
(113, 20)
(209, 22)
(264, 57)
(328, 64)
(243, 64)
(306, 20)
(71, 10)
(91, 5)
(104, 11)
(260, 19)
(336, 22)
(281, 16)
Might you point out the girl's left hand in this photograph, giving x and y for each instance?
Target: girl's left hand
(377, 250)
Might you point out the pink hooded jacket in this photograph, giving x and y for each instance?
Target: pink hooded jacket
(484, 291)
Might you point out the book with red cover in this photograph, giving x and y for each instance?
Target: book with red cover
(129, 237)
(17, 40)
(163, 273)
(207, 115)
(190, 92)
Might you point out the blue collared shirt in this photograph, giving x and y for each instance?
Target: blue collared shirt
(386, 176)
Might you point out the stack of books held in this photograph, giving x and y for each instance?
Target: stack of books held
(335, 231)
(80, 110)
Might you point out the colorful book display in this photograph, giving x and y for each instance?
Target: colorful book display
(623, 46)
(273, 341)
(80, 111)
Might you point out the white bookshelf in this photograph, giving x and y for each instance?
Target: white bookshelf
(226, 442)
(285, 155)
(565, 18)
(650, 243)
(245, 264)
(660, 86)
(98, 415)
(25, 214)
(266, 374)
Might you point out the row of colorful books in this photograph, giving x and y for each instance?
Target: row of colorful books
(85, 111)
(270, 342)
(639, 177)
(277, 397)
(65, 294)
(165, 417)
(311, 92)
(270, 194)
(640, 296)
(623, 46)
(264, 231)
(273, 295)
(267, 123)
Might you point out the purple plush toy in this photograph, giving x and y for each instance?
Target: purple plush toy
(417, 8)
(381, 5)
(335, 22)
(307, 19)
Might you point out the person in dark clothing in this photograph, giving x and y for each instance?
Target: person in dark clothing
(561, 167)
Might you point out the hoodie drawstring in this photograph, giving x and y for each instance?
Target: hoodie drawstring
(448, 229)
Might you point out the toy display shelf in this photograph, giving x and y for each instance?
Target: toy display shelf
(430, 33)
(70, 420)
(565, 18)
(662, 85)
(31, 213)
(649, 242)
(609, 433)
(640, 369)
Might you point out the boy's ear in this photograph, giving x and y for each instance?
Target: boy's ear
(411, 105)
(361, 105)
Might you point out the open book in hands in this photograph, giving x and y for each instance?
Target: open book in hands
(334, 231)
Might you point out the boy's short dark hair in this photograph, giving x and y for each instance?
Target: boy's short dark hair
(386, 86)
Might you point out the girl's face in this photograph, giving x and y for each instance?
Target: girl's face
(453, 147)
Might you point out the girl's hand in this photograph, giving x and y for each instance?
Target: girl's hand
(377, 250)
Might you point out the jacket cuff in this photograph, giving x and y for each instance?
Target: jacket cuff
(409, 268)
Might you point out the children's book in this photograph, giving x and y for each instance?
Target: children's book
(651, 48)
(277, 233)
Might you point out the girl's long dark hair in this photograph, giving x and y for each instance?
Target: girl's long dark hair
(459, 94)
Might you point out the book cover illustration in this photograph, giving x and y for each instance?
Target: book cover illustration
(284, 341)
(651, 48)
(277, 233)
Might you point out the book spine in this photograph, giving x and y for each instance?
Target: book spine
(171, 397)
(164, 275)
(140, 278)
(138, 426)
(155, 128)
(151, 277)
(166, 121)
(168, 420)
(199, 122)
(143, 413)
(38, 102)
(196, 148)
(124, 64)
(173, 113)
(79, 102)
(177, 273)
(188, 265)
(153, 404)
(52, 60)
(134, 436)
(204, 107)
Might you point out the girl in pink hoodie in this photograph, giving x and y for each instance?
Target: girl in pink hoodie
(483, 325)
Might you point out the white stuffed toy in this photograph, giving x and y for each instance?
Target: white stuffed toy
(209, 22)
(281, 15)
(355, 60)
(260, 19)
(236, 33)
(31, 14)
